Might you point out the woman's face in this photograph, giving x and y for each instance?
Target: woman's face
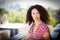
(35, 14)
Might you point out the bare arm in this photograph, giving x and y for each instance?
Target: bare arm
(46, 36)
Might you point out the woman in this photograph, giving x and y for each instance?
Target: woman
(39, 17)
(55, 34)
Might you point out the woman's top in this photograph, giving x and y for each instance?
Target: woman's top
(41, 30)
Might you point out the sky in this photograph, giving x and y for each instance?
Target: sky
(16, 4)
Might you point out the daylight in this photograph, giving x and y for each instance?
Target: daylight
(13, 16)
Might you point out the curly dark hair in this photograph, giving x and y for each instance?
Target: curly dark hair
(42, 11)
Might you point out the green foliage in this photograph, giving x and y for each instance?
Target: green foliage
(51, 13)
(3, 11)
(19, 16)
(16, 16)
(52, 20)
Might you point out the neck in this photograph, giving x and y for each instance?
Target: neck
(38, 22)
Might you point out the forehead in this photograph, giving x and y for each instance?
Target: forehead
(34, 10)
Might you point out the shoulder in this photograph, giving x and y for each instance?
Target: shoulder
(43, 25)
(57, 27)
(44, 28)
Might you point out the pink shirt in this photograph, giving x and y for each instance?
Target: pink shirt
(38, 35)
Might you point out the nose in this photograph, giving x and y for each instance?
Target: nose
(36, 15)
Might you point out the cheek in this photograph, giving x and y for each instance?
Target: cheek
(38, 16)
(33, 16)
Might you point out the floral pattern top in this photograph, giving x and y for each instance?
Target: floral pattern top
(38, 35)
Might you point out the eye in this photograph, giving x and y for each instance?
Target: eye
(33, 13)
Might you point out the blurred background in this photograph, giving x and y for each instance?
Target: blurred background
(14, 12)
(16, 9)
